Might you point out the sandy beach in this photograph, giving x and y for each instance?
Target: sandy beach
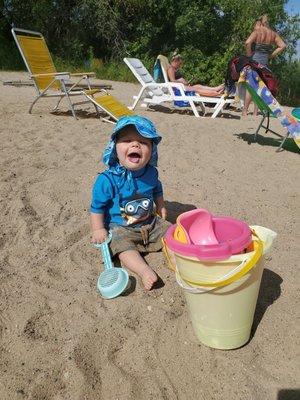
(59, 339)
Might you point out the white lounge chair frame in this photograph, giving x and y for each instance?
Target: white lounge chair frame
(153, 93)
(218, 101)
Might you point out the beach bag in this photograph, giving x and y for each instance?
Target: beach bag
(234, 68)
(237, 63)
(269, 79)
(183, 103)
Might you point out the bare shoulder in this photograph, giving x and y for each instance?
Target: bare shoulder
(252, 37)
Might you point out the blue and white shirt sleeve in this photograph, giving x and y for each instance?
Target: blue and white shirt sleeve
(102, 194)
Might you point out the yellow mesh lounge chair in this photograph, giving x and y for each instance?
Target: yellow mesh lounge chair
(47, 81)
(110, 105)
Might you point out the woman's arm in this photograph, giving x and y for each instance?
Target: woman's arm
(248, 44)
(280, 46)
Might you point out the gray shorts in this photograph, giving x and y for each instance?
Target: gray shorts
(144, 239)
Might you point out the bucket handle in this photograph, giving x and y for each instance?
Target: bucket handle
(171, 265)
(238, 272)
(191, 289)
(234, 275)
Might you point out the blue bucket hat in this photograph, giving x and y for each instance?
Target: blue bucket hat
(143, 126)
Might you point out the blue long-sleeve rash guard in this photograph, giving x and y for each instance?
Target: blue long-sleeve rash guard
(111, 192)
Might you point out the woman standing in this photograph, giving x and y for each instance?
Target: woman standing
(259, 46)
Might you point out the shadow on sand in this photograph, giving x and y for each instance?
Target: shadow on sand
(80, 114)
(174, 209)
(288, 394)
(289, 144)
(269, 292)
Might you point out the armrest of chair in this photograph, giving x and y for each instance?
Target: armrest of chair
(92, 74)
(175, 85)
(57, 76)
(167, 85)
(50, 74)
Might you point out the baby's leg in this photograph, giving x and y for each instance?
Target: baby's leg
(132, 260)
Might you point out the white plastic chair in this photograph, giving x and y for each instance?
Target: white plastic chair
(219, 101)
(153, 93)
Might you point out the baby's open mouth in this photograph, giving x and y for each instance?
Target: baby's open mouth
(134, 157)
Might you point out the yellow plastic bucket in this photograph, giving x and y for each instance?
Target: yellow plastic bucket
(222, 296)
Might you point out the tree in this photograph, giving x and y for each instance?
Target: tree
(207, 32)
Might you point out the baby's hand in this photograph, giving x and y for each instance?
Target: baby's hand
(99, 235)
(162, 212)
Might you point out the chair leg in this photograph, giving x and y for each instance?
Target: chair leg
(97, 111)
(35, 100)
(137, 99)
(57, 104)
(202, 106)
(218, 108)
(282, 143)
(69, 100)
(268, 123)
(194, 108)
(259, 126)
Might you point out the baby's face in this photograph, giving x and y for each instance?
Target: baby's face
(133, 150)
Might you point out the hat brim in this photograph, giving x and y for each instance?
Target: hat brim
(147, 130)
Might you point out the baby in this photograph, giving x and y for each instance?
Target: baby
(127, 197)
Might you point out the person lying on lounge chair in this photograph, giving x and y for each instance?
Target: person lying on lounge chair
(175, 75)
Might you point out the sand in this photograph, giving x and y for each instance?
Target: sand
(59, 339)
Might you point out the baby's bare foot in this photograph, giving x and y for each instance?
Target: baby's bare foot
(148, 277)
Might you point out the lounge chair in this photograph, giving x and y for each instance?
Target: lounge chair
(47, 81)
(269, 106)
(153, 93)
(219, 101)
(110, 105)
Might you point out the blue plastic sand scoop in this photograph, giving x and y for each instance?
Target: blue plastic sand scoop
(112, 281)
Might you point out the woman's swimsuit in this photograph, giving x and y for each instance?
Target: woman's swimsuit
(178, 75)
(262, 53)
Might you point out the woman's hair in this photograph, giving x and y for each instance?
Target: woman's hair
(263, 19)
(176, 56)
(257, 24)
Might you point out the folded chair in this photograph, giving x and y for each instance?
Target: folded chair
(110, 105)
(47, 81)
(153, 93)
(269, 106)
(219, 101)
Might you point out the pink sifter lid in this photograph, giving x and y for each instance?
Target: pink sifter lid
(208, 238)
